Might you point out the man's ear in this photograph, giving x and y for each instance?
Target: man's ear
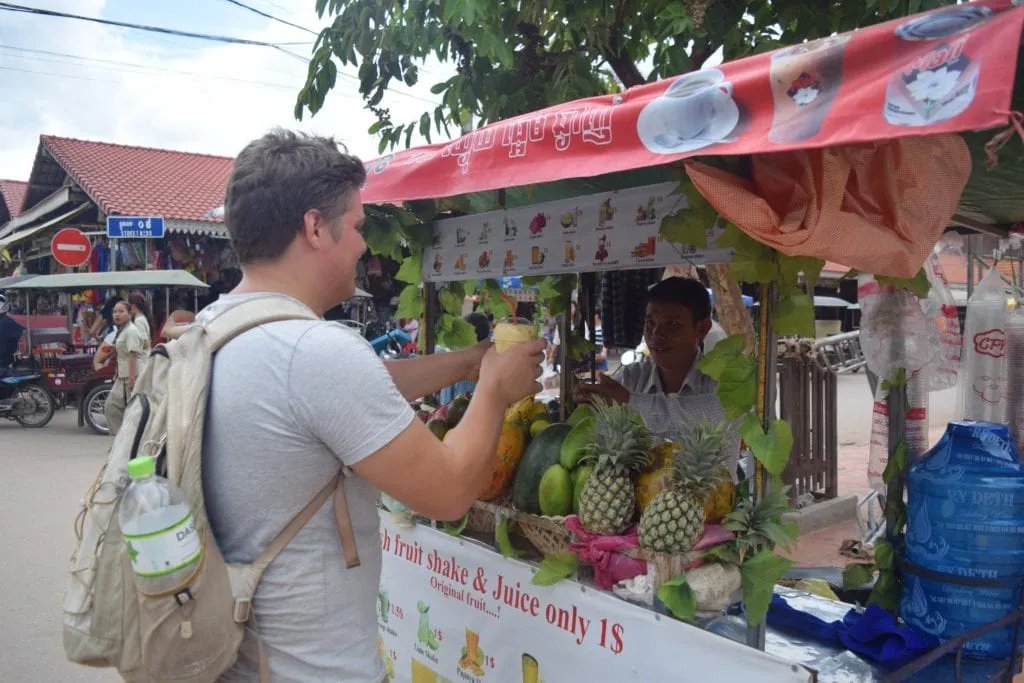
(703, 327)
(314, 228)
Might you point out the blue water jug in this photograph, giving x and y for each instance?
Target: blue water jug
(965, 518)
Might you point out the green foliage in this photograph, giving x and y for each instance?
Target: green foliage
(857, 575)
(736, 374)
(771, 448)
(678, 597)
(754, 262)
(512, 58)
(501, 535)
(456, 528)
(918, 285)
(760, 574)
(556, 567)
(689, 226)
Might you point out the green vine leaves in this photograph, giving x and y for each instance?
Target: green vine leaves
(752, 262)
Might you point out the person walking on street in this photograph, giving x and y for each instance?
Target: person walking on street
(294, 401)
(140, 316)
(130, 351)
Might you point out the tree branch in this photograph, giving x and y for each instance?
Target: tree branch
(618, 57)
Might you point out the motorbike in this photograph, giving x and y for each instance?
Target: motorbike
(24, 397)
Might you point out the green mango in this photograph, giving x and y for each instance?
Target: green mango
(576, 443)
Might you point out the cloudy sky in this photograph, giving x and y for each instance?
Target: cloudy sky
(79, 79)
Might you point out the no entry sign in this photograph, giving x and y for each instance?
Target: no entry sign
(70, 247)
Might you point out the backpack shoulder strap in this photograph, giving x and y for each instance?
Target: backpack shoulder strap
(250, 314)
(291, 530)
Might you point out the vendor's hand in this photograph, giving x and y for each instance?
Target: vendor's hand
(607, 389)
(513, 374)
(473, 357)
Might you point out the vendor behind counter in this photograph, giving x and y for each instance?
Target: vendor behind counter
(666, 388)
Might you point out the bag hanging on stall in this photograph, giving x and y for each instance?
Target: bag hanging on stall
(191, 633)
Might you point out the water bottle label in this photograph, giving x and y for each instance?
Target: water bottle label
(164, 552)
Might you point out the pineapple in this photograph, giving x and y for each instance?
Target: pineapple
(674, 520)
(618, 449)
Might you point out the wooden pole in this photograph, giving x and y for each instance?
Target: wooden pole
(767, 348)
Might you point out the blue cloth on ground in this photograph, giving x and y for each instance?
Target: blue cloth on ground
(873, 634)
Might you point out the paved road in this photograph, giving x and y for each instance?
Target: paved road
(45, 473)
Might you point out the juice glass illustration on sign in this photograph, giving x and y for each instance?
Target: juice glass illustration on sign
(531, 670)
(805, 80)
(421, 673)
(472, 658)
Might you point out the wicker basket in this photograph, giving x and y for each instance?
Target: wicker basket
(483, 516)
(547, 534)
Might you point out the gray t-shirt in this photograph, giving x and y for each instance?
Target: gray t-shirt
(290, 402)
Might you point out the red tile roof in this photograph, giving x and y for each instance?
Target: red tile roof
(143, 181)
(12, 192)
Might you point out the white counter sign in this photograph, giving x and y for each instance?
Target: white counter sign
(450, 610)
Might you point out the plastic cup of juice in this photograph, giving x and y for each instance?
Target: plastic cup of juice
(508, 333)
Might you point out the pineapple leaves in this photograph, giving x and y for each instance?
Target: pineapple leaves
(760, 574)
(556, 567)
(678, 597)
(456, 528)
(501, 535)
(771, 448)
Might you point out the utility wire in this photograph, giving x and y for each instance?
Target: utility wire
(6, 6)
(111, 64)
(271, 16)
(129, 66)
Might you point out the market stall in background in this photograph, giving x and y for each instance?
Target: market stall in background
(845, 149)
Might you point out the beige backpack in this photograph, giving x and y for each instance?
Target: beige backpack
(191, 634)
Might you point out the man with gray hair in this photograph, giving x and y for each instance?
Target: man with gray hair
(291, 402)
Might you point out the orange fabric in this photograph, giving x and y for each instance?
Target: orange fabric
(878, 207)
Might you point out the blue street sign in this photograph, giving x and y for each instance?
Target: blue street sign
(135, 226)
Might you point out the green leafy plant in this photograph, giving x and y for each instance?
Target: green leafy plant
(556, 567)
(456, 528)
(501, 535)
(677, 595)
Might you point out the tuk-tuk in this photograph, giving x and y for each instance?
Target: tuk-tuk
(68, 371)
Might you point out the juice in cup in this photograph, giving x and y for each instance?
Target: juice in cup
(507, 334)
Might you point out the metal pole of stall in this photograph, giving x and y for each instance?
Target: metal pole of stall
(588, 299)
(564, 332)
(767, 375)
(28, 321)
(970, 265)
(430, 317)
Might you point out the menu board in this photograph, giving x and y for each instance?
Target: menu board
(608, 231)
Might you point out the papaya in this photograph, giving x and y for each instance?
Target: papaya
(576, 443)
(511, 446)
(541, 454)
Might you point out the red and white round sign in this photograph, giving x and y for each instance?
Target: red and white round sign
(71, 247)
